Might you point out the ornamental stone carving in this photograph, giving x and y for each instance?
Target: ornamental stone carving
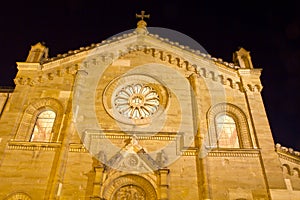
(136, 101)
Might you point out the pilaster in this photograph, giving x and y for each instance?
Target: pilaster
(163, 183)
(98, 181)
(269, 158)
(203, 186)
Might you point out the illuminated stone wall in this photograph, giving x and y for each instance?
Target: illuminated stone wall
(164, 151)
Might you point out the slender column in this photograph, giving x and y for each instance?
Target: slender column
(203, 186)
(55, 183)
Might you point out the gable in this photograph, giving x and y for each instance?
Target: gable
(186, 59)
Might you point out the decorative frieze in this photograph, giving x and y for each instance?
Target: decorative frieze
(288, 154)
(234, 153)
(47, 76)
(33, 146)
(253, 88)
(78, 148)
(140, 136)
(192, 151)
(193, 68)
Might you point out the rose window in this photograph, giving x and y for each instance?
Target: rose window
(136, 101)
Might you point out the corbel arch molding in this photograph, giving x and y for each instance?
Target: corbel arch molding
(296, 172)
(239, 117)
(286, 169)
(129, 180)
(32, 111)
(18, 196)
(189, 67)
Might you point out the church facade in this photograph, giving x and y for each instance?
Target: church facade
(140, 117)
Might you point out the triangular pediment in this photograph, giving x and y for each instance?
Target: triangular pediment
(185, 59)
(138, 41)
(133, 158)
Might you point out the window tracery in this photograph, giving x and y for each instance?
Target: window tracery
(136, 101)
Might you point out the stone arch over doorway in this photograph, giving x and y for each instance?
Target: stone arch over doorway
(131, 187)
(18, 196)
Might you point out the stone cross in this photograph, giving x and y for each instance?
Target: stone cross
(142, 15)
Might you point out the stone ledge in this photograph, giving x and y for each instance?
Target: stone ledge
(288, 153)
(288, 157)
(79, 148)
(234, 153)
(33, 146)
(161, 136)
(192, 151)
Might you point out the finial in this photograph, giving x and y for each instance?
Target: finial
(142, 23)
(242, 58)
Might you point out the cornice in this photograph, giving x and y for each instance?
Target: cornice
(33, 146)
(288, 154)
(29, 66)
(78, 148)
(161, 136)
(245, 72)
(192, 151)
(234, 153)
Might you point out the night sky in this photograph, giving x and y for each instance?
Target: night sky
(269, 30)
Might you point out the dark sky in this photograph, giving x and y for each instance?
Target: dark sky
(270, 30)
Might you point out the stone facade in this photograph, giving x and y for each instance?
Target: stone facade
(137, 117)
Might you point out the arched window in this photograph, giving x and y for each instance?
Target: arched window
(33, 118)
(43, 126)
(228, 127)
(227, 136)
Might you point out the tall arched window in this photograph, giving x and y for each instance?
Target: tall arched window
(227, 136)
(228, 127)
(43, 126)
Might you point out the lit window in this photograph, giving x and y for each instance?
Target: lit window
(227, 132)
(43, 126)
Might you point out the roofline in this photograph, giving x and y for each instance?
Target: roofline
(135, 33)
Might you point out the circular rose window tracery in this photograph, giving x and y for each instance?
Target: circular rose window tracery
(136, 101)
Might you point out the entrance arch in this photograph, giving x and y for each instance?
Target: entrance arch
(130, 187)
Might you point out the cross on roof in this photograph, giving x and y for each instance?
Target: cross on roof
(142, 15)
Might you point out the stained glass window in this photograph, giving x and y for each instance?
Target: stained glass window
(227, 132)
(43, 126)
